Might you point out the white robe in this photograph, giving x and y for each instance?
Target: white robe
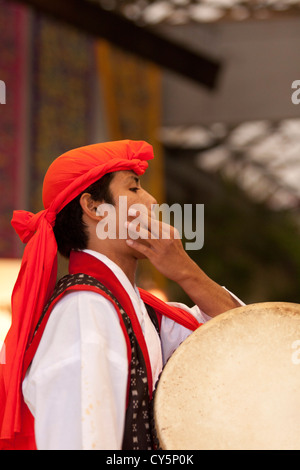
(76, 385)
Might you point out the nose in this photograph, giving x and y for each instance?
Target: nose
(148, 201)
(154, 201)
(151, 199)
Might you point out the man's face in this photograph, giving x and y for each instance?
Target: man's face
(127, 183)
(126, 191)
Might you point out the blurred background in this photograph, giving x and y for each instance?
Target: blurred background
(208, 83)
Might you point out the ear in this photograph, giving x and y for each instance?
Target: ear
(89, 206)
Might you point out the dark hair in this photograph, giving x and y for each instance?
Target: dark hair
(69, 229)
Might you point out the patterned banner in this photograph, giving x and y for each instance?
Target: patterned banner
(13, 34)
(131, 94)
(61, 96)
(132, 98)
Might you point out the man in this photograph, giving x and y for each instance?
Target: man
(88, 352)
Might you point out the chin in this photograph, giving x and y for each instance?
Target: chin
(138, 255)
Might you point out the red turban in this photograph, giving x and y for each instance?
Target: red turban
(66, 178)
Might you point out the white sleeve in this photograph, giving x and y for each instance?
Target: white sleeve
(172, 334)
(76, 386)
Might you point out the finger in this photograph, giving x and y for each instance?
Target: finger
(144, 220)
(135, 230)
(153, 225)
(156, 228)
(169, 232)
(161, 229)
(140, 247)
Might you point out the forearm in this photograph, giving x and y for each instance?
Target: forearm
(209, 296)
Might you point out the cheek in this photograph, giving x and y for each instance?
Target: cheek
(126, 202)
(143, 199)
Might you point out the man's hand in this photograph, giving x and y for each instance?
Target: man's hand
(161, 244)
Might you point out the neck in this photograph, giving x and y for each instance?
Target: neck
(126, 262)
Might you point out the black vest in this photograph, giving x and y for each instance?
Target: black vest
(137, 431)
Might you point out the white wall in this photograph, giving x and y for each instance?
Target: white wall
(261, 60)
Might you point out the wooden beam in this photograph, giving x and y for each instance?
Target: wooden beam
(96, 21)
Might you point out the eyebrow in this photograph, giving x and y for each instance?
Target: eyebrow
(135, 178)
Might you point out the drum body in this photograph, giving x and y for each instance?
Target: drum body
(234, 383)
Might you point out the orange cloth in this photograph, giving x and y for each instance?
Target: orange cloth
(67, 176)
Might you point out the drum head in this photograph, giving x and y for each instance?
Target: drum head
(234, 383)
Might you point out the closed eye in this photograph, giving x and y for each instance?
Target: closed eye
(134, 190)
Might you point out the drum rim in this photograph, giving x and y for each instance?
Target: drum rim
(277, 307)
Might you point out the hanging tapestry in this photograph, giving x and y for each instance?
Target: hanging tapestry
(13, 33)
(62, 98)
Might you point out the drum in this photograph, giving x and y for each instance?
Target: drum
(234, 383)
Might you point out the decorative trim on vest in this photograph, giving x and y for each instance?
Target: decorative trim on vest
(137, 432)
(97, 270)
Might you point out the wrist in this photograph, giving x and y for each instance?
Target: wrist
(189, 274)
